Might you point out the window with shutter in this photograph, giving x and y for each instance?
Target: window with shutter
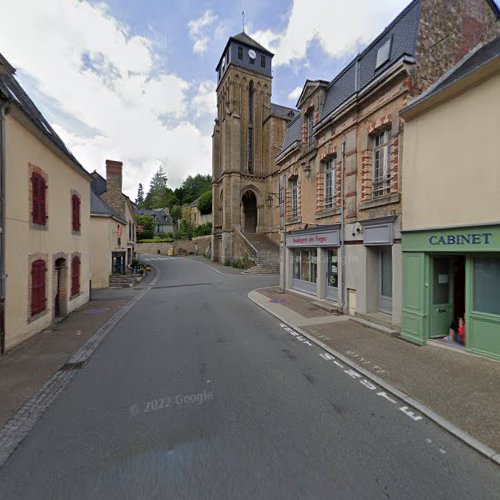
(38, 299)
(75, 276)
(75, 210)
(39, 186)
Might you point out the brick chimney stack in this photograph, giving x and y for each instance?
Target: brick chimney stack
(113, 195)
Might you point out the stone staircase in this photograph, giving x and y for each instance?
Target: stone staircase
(267, 260)
(123, 280)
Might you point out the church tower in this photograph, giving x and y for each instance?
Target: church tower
(241, 156)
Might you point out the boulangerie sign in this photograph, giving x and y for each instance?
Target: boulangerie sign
(316, 239)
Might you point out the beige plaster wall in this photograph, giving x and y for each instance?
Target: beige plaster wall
(104, 241)
(22, 241)
(451, 162)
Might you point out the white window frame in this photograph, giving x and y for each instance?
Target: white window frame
(381, 167)
(330, 187)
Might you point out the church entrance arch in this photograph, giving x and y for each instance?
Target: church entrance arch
(249, 202)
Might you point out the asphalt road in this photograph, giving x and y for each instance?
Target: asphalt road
(198, 393)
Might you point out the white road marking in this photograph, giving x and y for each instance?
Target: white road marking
(371, 386)
(203, 264)
(299, 337)
(410, 413)
(384, 395)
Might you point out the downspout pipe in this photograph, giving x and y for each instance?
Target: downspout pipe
(342, 227)
(3, 109)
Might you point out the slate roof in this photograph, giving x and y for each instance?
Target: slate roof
(403, 33)
(159, 216)
(482, 56)
(244, 39)
(247, 40)
(98, 183)
(10, 87)
(99, 207)
(293, 132)
(283, 112)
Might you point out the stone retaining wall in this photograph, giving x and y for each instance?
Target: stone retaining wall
(181, 247)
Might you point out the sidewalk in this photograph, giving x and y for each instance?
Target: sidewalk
(460, 387)
(25, 368)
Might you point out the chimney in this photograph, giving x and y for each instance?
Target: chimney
(113, 195)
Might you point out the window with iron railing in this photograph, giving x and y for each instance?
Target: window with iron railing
(330, 185)
(381, 172)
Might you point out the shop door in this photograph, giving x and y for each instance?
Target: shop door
(332, 275)
(441, 307)
(385, 280)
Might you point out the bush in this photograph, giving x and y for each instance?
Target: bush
(205, 203)
(145, 235)
(203, 229)
(134, 263)
(158, 240)
(185, 231)
(245, 260)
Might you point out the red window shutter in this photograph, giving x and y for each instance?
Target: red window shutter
(35, 196)
(43, 212)
(75, 210)
(75, 276)
(39, 186)
(38, 299)
(77, 213)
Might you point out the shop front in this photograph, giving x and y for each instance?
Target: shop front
(448, 275)
(312, 256)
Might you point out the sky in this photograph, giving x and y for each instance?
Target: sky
(135, 80)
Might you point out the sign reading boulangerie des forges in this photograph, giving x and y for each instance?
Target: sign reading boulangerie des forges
(324, 239)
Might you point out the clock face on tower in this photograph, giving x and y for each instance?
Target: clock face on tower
(252, 54)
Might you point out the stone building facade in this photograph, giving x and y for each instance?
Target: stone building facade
(338, 170)
(451, 243)
(248, 132)
(45, 219)
(113, 224)
(343, 156)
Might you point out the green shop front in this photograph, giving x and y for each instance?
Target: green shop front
(448, 274)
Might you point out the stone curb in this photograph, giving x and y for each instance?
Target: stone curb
(258, 299)
(18, 427)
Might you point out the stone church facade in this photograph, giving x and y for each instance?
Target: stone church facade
(248, 133)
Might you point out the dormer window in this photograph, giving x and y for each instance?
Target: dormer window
(384, 53)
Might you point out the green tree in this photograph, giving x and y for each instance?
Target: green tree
(185, 231)
(147, 223)
(205, 202)
(193, 187)
(176, 212)
(139, 201)
(157, 196)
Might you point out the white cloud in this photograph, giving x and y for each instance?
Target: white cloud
(198, 31)
(295, 94)
(340, 27)
(205, 101)
(108, 79)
